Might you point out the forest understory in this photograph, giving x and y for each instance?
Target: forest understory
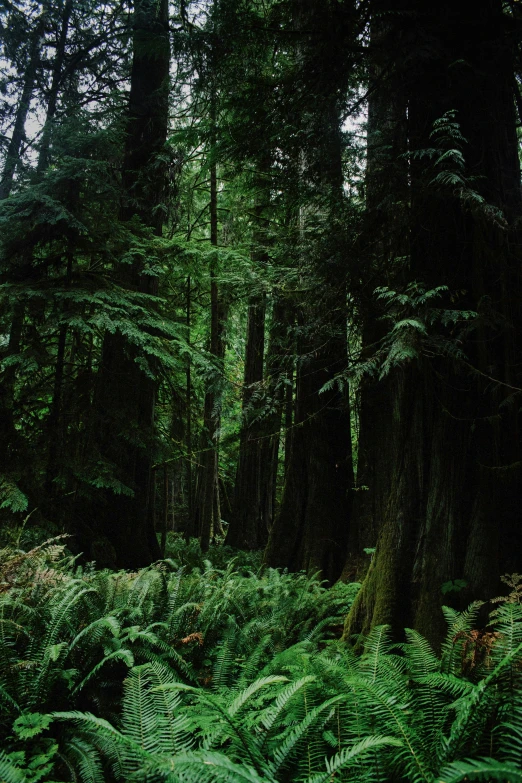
(260, 391)
(208, 667)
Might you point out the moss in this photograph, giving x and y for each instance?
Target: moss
(377, 600)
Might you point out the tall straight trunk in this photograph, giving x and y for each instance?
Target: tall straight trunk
(55, 428)
(206, 522)
(9, 457)
(211, 419)
(248, 530)
(118, 529)
(311, 529)
(188, 429)
(278, 363)
(454, 507)
(253, 492)
(12, 442)
(383, 243)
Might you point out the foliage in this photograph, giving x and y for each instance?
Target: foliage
(208, 673)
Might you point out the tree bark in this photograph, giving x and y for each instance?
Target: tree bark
(119, 528)
(383, 243)
(455, 500)
(206, 522)
(311, 529)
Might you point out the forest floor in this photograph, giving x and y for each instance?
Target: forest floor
(211, 668)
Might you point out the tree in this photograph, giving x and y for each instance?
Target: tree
(380, 246)
(311, 529)
(126, 381)
(453, 510)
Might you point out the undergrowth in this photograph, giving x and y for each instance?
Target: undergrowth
(193, 670)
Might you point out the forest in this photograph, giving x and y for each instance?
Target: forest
(260, 391)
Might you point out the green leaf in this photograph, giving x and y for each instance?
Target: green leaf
(31, 724)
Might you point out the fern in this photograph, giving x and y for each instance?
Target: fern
(481, 769)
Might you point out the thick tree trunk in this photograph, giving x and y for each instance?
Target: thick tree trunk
(311, 529)
(454, 509)
(120, 528)
(383, 243)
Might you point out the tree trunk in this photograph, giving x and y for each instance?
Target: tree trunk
(52, 98)
(311, 529)
(206, 522)
(248, 529)
(382, 245)
(455, 502)
(188, 429)
(13, 151)
(119, 530)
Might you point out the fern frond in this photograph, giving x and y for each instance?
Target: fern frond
(284, 751)
(480, 769)
(84, 758)
(9, 773)
(350, 755)
(245, 695)
(202, 767)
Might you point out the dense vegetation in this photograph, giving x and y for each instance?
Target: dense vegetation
(260, 302)
(190, 671)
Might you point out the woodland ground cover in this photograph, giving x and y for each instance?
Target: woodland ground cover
(193, 670)
(261, 283)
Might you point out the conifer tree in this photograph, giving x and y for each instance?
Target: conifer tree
(120, 523)
(311, 529)
(453, 509)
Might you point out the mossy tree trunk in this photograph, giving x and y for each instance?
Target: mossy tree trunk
(454, 506)
(382, 245)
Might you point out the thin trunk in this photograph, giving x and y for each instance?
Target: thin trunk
(289, 417)
(248, 529)
(15, 143)
(54, 92)
(8, 434)
(55, 428)
(310, 531)
(256, 484)
(190, 456)
(165, 525)
(208, 522)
